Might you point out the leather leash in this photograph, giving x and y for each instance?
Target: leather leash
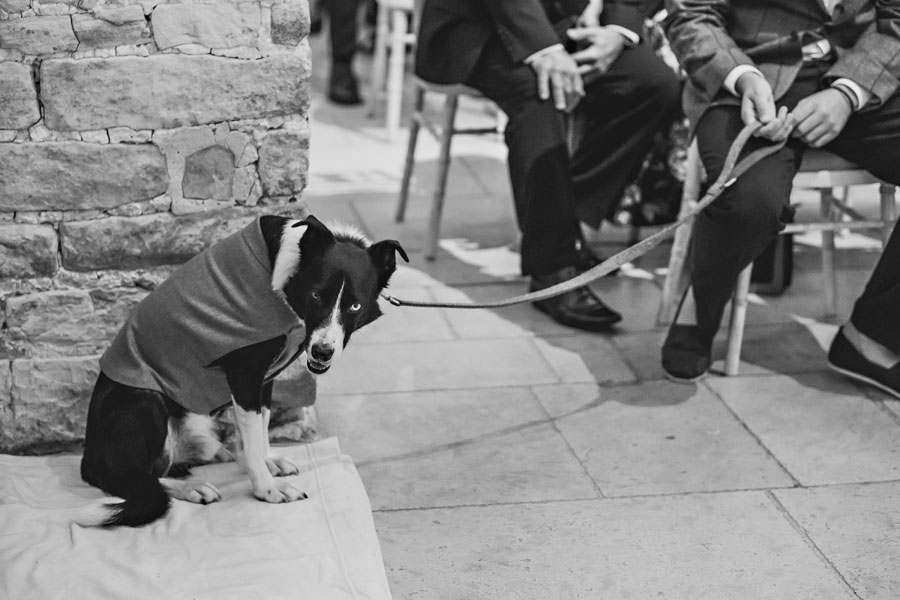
(731, 170)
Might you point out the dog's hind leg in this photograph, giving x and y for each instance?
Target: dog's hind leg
(124, 451)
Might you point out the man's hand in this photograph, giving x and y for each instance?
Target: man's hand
(557, 73)
(603, 47)
(758, 106)
(821, 117)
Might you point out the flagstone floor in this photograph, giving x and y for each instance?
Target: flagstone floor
(509, 457)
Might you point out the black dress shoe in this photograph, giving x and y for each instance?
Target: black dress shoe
(579, 308)
(844, 358)
(686, 353)
(342, 86)
(587, 259)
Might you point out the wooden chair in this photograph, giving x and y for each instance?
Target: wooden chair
(392, 37)
(444, 133)
(820, 171)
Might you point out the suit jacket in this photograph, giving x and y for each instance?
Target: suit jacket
(712, 37)
(452, 33)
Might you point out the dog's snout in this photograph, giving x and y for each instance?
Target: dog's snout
(322, 352)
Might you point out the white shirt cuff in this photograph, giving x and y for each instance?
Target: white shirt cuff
(631, 37)
(862, 96)
(735, 74)
(540, 53)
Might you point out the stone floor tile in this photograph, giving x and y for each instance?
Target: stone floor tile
(464, 447)
(400, 324)
(659, 438)
(513, 321)
(697, 547)
(820, 426)
(635, 297)
(789, 347)
(583, 358)
(412, 366)
(892, 404)
(857, 528)
(641, 351)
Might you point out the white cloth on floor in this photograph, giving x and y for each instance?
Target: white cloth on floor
(323, 548)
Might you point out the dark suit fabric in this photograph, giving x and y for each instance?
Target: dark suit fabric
(342, 28)
(483, 44)
(733, 231)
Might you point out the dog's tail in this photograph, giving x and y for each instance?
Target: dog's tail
(144, 500)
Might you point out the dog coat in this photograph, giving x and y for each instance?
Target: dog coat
(217, 302)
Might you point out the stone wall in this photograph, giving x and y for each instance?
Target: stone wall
(133, 133)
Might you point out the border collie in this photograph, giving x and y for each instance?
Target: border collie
(217, 332)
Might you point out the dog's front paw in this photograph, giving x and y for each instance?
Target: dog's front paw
(278, 492)
(281, 467)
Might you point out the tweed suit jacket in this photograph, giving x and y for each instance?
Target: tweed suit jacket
(452, 33)
(712, 37)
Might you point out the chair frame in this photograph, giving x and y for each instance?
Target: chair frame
(820, 171)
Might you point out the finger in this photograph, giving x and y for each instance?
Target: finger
(817, 134)
(765, 108)
(579, 84)
(577, 34)
(543, 84)
(559, 91)
(748, 113)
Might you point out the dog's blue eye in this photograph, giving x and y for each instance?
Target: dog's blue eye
(355, 307)
(315, 295)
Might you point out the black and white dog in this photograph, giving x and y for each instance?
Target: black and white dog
(217, 332)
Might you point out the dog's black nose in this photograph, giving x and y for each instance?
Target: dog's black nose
(322, 352)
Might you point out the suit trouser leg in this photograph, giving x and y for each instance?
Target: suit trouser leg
(872, 141)
(737, 226)
(624, 108)
(342, 29)
(538, 161)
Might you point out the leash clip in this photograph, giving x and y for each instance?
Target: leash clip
(392, 300)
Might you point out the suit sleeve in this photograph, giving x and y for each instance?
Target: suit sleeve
(697, 34)
(523, 26)
(874, 61)
(629, 14)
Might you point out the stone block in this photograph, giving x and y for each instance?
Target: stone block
(49, 399)
(15, 6)
(284, 161)
(38, 35)
(221, 25)
(18, 97)
(77, 175)
(209, 174)
(146, 241)
(168, 91)
(124, 26)
(290, 23)
(28, 251)
(33, 315)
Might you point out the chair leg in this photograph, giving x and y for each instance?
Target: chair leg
(888, 211)
(738, 320)
(396, 67)
(379, 59)
(414, 126)
(677, 275)
(826, 211)
(437, 205)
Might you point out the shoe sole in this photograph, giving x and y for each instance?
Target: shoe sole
(675, 379)
(868, 380)
(599, 328)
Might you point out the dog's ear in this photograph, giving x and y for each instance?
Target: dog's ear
(384, 258)
(316, 239)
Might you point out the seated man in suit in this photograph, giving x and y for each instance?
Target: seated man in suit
(513, 52)
(825, 73)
